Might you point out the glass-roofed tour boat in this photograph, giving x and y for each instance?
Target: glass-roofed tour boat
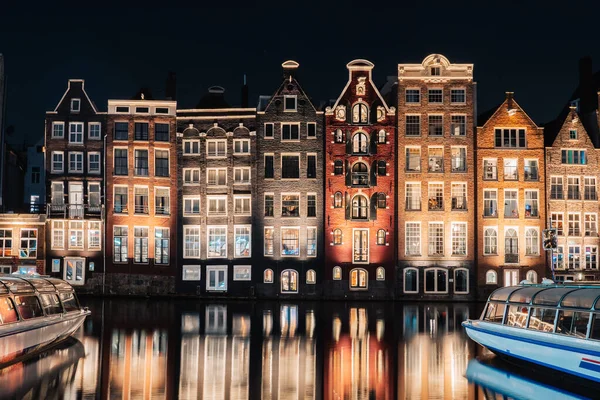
(554, 326)
(35, 313)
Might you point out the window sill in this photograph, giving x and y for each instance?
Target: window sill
(460, 209)
(532, 217)
(412, 209)
(490, 216)
(141, 214)
(413, 172)
(490, 179)
(490, 255)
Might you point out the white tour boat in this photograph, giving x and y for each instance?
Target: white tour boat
(554, 326)
(35, 312)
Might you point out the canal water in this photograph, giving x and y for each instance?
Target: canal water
(188, 349)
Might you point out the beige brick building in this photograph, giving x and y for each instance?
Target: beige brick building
(572, 170)
(436, 179)
(510, 198)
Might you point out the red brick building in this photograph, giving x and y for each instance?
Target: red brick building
(23, 244)
(510, 198)
(359, 189)
(141, 205)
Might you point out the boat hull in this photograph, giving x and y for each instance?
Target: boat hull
(18, 341)
(566, 354)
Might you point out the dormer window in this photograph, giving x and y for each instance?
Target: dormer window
(290, 103)
(435, 71)
(75, 105)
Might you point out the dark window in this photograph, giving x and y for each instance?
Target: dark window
(312, 130)
(311, 166)
(141, 162)
(51, 304)
(269, 172)
(29, 307)
(161, 132)
(141, 131)
(161, 163)
(120, 199)
(69, 301)
(360, 174)
(360, 207)
(510, 137)
(290, 132)
(381, 200)
(122, 109)
(269, 206)
(121, 167)
(142, 109)
(290, 103)
(121, 131)
(312, 205)
(162, 110)
(290, 167)
(413, 95)
(381, 168)
(268, 130)
(572, 323)
(35, 174)
(338, 167)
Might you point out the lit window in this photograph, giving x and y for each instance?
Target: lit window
(458, 125)
(413, 159)
(241, 205)
(490, 241)
(531, 204)
(289, 281)
(491, 277)
(436, 238)
(459, 238)
(28, 247)
(242, 272)
(58, 238)
(311, 277)
(269, 245)
(290, 242)
(216, 277)
(217, 241)
(161, 246)
(121, 199)
(360, 207)
(268, 276)
(217, 205)
(243, 241)
(360, 113)
(380, 274)
(360, 246)
(191, 242)
(511, 205)
(413, 238)
(358, 279)
(290, 205)
(338, 200)
(140, 245)
(162, 201)
(241, 146)
(94, 235)
(337, 273)
(191, 273)
(337, 237)
(120, 237)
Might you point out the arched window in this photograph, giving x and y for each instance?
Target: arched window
(337, 237)
(360, 174)
(360, 207)
(311, 277)
(532, 242)
(360, 113)
(358, 279)
(461, 281)
(411, 280)
(289, 281)
(490, 241)
(338, 167)
(337, 200)
(381, 168)
(381, 200)
(491, 277)
(381, 237)
(360, 143)
(268, 276)
(531, 276)
(511, 246)
(337, 274)
(381, 136)
(380, 276)
(339, 136)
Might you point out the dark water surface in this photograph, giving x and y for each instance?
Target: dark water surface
(150, 349)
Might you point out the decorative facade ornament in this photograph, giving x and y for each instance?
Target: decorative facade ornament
(142, 96)
(340, 113)
(380, 113)
(360, 86)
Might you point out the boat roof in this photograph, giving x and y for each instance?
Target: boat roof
(17, 284)
(568, 296)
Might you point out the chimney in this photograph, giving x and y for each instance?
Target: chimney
(171, 86)
(587, 92)
(245, 93)
(289, 69)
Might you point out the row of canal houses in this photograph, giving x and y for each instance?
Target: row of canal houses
(401, 192)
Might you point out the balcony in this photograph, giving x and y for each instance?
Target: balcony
(140, 209)
(511, 258)
(74, 211)
(436, 204)
(490, 173)
(436, 164)
(459, 203)
(511, 173)
(531, 173)
(161, 210)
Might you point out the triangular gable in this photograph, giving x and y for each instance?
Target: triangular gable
(572, 120)
(280, 89)
(82, 89)
(515, 106)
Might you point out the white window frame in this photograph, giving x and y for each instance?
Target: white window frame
(406, 96)
(297, 228)
(216, 142)
(404, 280)
(89, 235)
(186, 227)
(217, 170)
(99, 125)
(285, 97)
(290, 124)
(58, 171)
(435, 281)
(452, 233)
(272, 238)
(192, 199)
(272, 130)
(166, 212)
(516, 199)
(235, 228)
(536, 252)
(267, 272)
(57, 124)
(76, 133)
(243, 171)
(191, 172)
(242, 153)
(454, 280)
(281, 203)
(429, 90)
(307, 130)
(236, 268)
(585, 224)
(114, 197)
(241, 197)
(76, 153)
(465, 95)
(312, 228)
(216, 269)
(406, 253)
(429, 225)
(126, 244)
(487, 281)
(28, 239)
(218, 198)
(56, 229)
(156, 150)
(76, 230)
(75, 100)
(368, 247)
(186, 268)
(191, 142)
(495, 228)
(168, 248)
(335, 276)
(281, 165)
(208, 229)
(358, 287)
(90, 171)
(75, 281)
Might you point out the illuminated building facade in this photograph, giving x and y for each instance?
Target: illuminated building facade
(141, 206)
(436, 185)
(23, 243)
(216, 184)
(511, 193)
(360, 196)
(288, 206)
(74, 155)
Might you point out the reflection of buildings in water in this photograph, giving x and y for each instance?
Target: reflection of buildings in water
(213, 363)
(289, 359)
(433, 353)
(358, 364)
(86, 383)
(138, 364)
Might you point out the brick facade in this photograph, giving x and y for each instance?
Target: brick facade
(572, 200)
(510, 170)
(436, 180)
(290, 132)
(26, 256)
(360, 195)
(74, 188)
(141, 199)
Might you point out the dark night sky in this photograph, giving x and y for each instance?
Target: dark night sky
(530, 50)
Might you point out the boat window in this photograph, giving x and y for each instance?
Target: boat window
(51, 304)
(517, 316)
(502, 293)
(582, 298)
(69, 301)
(29, 306)
(542, 319)
(524, 295)
(8, 313)
(595, 331)
(550, 297)
(572, 323)
(494, 312)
